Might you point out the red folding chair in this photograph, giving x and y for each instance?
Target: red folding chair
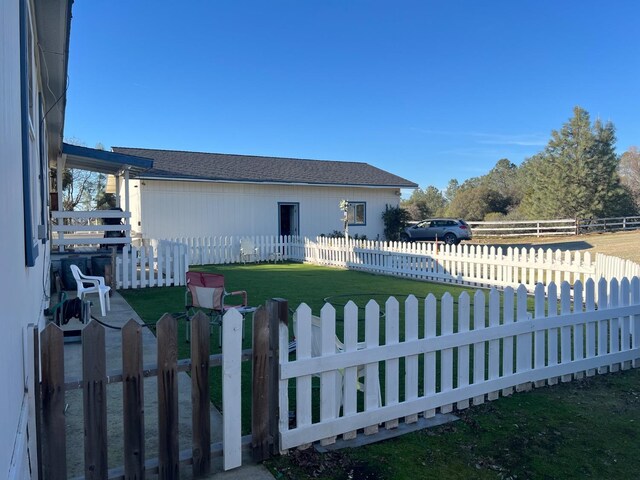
(206, 292)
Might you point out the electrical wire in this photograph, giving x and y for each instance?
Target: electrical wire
(115, 327)
(46, 67)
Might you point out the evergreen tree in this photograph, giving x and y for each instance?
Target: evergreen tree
(576, 175)
(425, 203)
(630, 172)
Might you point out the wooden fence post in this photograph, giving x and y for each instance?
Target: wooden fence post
(201, 418)
(266, 356)
(53, 420)
(94, 394)
(278, 309)
(133, 400)
(260, 383)
(168, 453)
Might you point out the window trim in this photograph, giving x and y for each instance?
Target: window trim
(27, 67)
(44, 172)
(354, 203)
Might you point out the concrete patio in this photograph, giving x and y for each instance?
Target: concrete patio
(119, 314)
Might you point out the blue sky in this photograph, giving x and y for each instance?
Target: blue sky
(427, 90)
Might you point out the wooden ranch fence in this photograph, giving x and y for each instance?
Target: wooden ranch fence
(541, 228)
(94, 383)
(566, 337)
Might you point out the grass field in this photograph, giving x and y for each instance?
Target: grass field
(582, 429)
(620, 244)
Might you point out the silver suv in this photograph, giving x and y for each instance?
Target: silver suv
(448, 230)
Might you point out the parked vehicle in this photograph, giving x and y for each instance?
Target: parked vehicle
(448, 230)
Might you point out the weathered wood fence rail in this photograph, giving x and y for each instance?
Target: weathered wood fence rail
(541, 228)
(496, 348)
(94, 383)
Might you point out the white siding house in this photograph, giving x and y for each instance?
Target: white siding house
(32, 34)
(191, 194)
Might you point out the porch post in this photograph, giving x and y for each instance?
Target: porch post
(117, 190)
(61, 161)
(127, 220)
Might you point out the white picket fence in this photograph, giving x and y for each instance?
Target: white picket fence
(157, 265)
(497, 348)
(165, 262)
(464, 264)
(609, 267)
(226, 249)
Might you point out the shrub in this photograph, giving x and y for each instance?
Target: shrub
(395, 221)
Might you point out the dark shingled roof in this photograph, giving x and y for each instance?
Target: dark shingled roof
(172, 164)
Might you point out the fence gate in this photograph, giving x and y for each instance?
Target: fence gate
(95, 380)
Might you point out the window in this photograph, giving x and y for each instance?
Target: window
(357, 213)
(30, 155)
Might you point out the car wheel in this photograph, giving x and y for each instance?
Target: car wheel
(450, 239)
(404, 237)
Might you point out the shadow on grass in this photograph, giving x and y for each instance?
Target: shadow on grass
(573, 246)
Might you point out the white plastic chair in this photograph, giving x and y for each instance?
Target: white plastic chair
(97, 285)
(248, 250)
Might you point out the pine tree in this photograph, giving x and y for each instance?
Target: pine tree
(576, 175)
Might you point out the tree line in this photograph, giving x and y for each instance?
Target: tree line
(577, 175)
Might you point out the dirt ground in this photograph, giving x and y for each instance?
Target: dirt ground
(620, 244)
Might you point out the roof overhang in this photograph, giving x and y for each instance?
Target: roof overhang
(102, 161)
(268, 182)
(53, 26)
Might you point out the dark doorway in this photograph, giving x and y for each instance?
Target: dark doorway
(288, 219)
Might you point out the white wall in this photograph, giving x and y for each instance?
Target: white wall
(22, 289)
(173, 209)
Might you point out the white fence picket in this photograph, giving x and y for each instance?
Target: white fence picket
(232, 389)
(540, 337)
(392, 366)
(565, 332)
(411, 362)
(603, 325)
(430, 322)
(614, 323)
(578, 330)
(494, 345)
(523, 341)
(350, 396)
(553, 334)
(464, 314)
(508, 341)
(303, 336)
(372, 382)
(446, 355)
(330, 381)
(479, 347)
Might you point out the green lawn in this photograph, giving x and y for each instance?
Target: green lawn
(582, 429)
(293, 281)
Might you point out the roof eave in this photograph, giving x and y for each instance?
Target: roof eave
(269, 182)
(53, 26)
(103, 161)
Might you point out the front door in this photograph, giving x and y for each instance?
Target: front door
(288, 219)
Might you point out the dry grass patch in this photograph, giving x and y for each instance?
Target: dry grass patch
(619, 244)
